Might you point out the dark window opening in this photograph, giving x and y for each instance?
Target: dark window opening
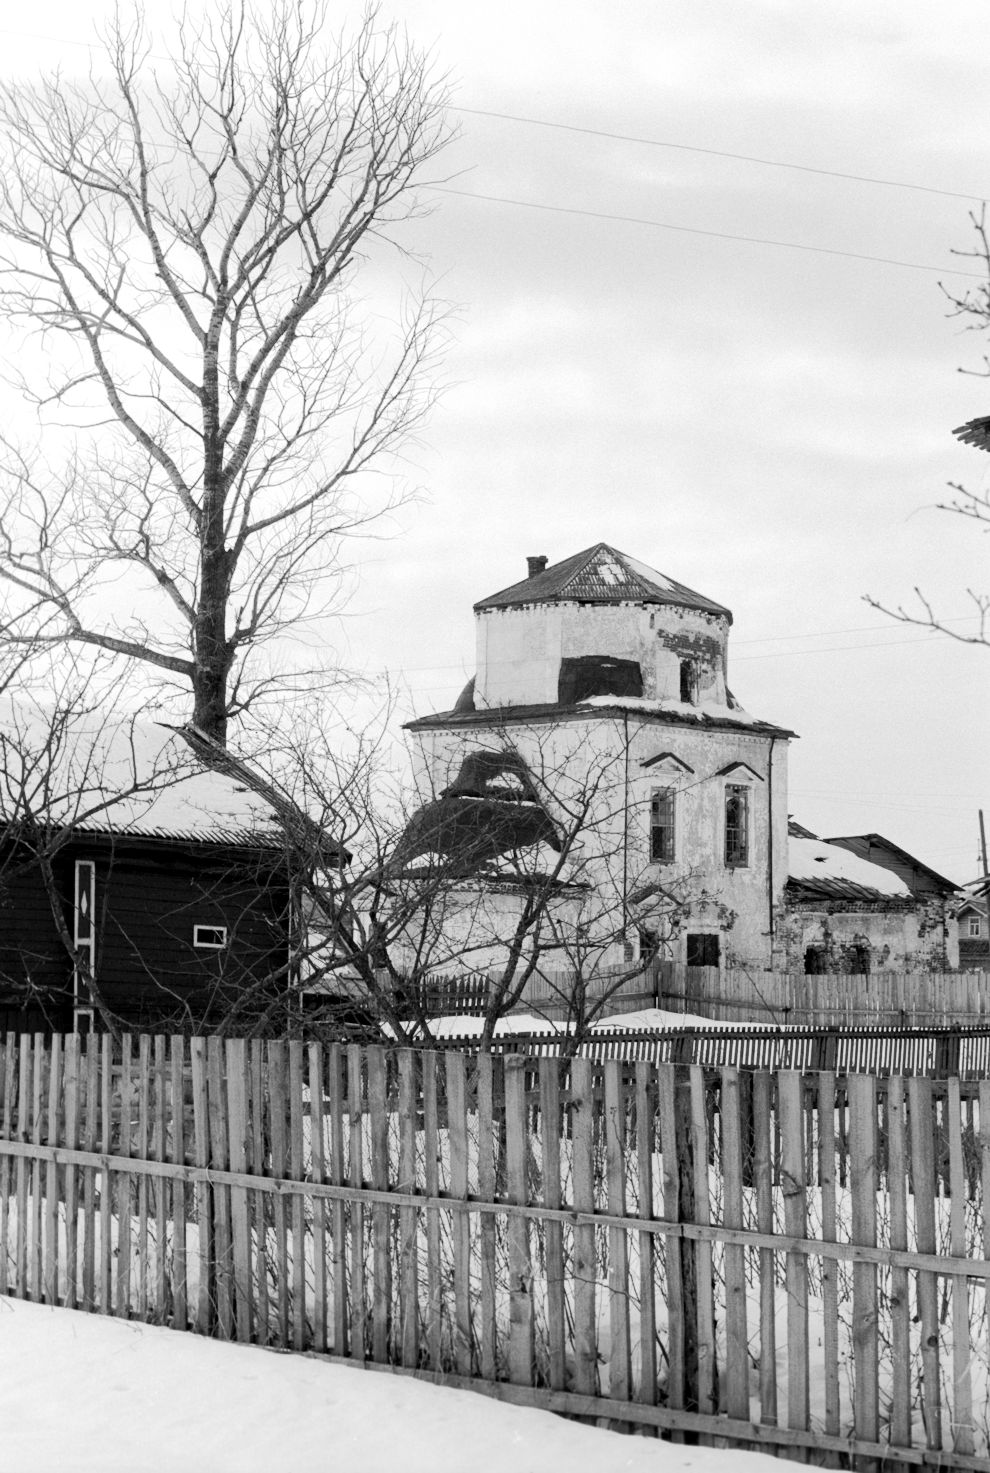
(814, 961)
(597, 675)
(736, 825)
(689, 682)
(858, 960)
(662, 826)
(702, 950)
(649, 943)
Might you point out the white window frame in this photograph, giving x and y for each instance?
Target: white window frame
(975, 926)
(202, 945)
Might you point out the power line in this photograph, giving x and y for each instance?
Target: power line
(789, 245)
(718, 153)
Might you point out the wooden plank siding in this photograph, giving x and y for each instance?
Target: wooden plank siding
(633, 1242)
(149, 897)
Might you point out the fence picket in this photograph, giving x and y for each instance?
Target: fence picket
(278, 1111)
(355, 1109)
(70, 1086)
(336, 1094)
(177, 1154)
(830, 1268)
(793, 1180)
(223, 1239)
(238, 1156)
(584, 1266)
(962, 1385)
(298, 1200)
(673, 1257)
(521, 1330)
(619, 1353)
(125, 1184)
(381, 1294)
(430, 1061)
(550, 1123)
(201, 1156)
(736, 1335)
(460, 1224)
(646, 1387)
(489, 1142)
(408, 1216)
(924, 1189)
(9, 1081)
(318, 1172)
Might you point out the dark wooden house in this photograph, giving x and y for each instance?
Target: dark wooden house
(135, 883)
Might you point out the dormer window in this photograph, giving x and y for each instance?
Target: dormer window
(689, 682)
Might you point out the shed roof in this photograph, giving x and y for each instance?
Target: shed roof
(816, 868)
(857, 843)
(602, 575)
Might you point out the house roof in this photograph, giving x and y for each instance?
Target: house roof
(602, 575)
(122, 777)
(816, 868)
(877, 841)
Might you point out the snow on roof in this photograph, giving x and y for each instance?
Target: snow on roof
(601, 574)
(814, 863)
(119, 776)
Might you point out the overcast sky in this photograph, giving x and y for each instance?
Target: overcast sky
(768, 425)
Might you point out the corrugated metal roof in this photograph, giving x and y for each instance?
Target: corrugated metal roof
(601, 574)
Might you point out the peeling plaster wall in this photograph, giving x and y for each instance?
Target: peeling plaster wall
(921, 937)
(519, 650)
(569, 758)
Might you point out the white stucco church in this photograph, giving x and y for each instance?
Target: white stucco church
(601, 716)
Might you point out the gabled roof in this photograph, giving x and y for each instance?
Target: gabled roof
(601, 575)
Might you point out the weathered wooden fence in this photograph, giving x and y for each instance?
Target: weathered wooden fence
(897, 999)
(797, 1261)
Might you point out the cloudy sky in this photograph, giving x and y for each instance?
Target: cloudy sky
(739, 369)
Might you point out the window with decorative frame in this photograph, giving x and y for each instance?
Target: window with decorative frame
(662, 820)
(736, 825)
(975, 926)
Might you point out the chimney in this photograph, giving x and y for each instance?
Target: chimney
(535, 565)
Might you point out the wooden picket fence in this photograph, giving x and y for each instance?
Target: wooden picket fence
(794, 1261)
(894, 999)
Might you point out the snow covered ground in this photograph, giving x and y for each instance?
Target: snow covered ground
(79, 1392)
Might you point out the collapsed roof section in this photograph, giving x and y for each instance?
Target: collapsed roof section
(490, 814)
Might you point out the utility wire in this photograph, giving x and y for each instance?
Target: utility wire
(718, 153)
(789, 245)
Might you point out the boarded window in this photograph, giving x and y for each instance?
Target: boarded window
(736, 825)
(662, 825)
(597, 675)
(702, 950)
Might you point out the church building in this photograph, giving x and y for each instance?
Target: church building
(600, 707)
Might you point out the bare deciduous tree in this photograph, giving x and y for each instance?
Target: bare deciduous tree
(973, 306)
(185, 237)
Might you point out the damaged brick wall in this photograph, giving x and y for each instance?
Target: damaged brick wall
(843, 936)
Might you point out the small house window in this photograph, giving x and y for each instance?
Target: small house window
(974, 926)
(662, 826)
(689, 682)
(736, 825)
(210, 938)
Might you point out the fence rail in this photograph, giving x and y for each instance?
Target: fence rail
(778, 1259)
